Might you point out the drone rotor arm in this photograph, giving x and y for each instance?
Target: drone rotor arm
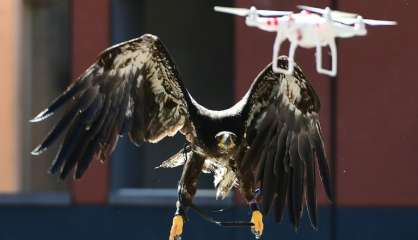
(359, 19)
(271, 13)
(373, 22)
(245, 12)
(235, 11)
(334, 13)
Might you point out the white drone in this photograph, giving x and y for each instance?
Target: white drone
(312, 27)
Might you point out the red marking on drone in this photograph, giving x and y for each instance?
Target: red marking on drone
(269, 22)
(275, 21)
(299, 34)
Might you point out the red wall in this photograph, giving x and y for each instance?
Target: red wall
(90, 30)
(376, 116)
(377, 110)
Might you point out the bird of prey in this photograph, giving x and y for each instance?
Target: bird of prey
(268, 141)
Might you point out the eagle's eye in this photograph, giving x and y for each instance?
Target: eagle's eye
(226, 140)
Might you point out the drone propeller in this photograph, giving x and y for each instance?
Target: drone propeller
(359, 19)
(245, 11)
(334, 13)
(346, 17)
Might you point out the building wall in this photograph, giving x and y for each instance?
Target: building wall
(9, 68)
(369, 119)
(377, 110)
(90, 36)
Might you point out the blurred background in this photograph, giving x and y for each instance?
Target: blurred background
(369, 116)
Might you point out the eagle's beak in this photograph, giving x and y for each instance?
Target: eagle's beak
(226, 140)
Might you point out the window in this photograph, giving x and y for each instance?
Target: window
(45, 73)
(191, 31)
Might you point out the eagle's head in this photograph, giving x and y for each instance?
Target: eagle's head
(226, 141)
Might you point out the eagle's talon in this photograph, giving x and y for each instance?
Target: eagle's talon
(176, 228)
(257, 221)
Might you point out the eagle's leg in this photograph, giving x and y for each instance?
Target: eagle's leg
(248, 189)
(186, 190)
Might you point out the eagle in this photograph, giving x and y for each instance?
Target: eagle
(268, 145)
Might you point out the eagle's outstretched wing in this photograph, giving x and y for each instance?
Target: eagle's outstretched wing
(284, 136)
(133, 87)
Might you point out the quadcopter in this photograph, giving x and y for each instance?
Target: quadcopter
(312, 27)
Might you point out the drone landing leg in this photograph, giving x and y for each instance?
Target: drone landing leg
(291, 61)
(333, 48)
(276, 53)
(319, 67)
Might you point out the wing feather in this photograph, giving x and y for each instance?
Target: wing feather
(281, 151)
(82, 141)
(265, 153)
(318, 145)
(284, 109)
(282, 188)
(133, 87)
(82, 102)
(269, 180)
(259, 140)
(297, 181)
(290, 202)
(71, 91)
(310, 195)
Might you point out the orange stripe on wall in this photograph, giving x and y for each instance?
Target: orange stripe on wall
(9, 162)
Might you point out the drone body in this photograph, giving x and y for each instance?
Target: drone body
(306, 29)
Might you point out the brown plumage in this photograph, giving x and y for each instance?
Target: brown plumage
(269, 139)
